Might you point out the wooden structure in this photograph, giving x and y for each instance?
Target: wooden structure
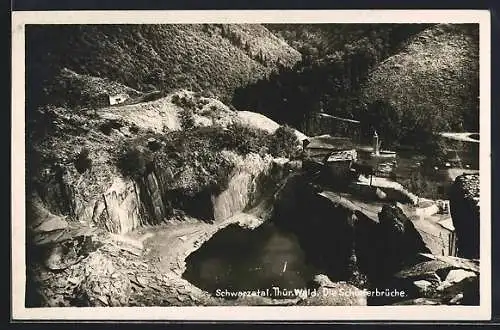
(338, 126)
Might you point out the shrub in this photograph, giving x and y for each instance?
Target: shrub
(245, 139)
(154, 145)
(184, 102)
(207, 93)
(283, 142)
(186, 118)
(134, 162)
(434, 149)
(82, 161)
(133, 129)
(107, 126)
(198, 152)
(176, 99)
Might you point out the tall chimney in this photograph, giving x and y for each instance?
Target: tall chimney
(376, 144)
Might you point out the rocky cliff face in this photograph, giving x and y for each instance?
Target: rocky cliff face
(375, 251)
(127, 204)
(94, 175)
(184, 172)
(464, 205)
(401, 242)
(349, 243)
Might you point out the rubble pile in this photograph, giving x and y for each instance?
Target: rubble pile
(113, 275)
(441, 280)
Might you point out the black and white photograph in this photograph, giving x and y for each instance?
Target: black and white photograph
(247, 160)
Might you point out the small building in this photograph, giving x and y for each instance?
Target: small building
(117, 98)
(338, 165)
(342, 155)
(444, 206)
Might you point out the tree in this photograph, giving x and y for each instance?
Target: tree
(434, 150)
(382, 117)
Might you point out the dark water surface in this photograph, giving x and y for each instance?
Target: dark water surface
(237, 259)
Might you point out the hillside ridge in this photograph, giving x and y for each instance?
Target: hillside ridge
(212, 58)
(432, 83)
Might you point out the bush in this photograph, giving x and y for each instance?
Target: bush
(283, 142)
(134, 129)
(186, 119)
(107, 126)
(154, 145)
(184, 102)
(176, 99)
(245, 139)
(198, 152)
(207, 93)
(134, 162)
(82, 161)
(434, 150)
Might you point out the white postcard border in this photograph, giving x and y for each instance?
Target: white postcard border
(289, 313)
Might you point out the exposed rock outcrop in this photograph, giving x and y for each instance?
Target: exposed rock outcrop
(103, 196)
(401, 242)
(351, 242)
(442, 280)
(329, 293)
(169, 176)
(464, 207)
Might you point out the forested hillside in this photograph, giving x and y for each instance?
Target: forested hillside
(387, 76)
(212, 58)
(337, 59)
(374, 74)
(432, 85)
(326, 40)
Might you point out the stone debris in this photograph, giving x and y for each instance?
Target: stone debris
(439, 282)
(458, 275)
(457, 299)
(423, 285)
(119, 271)
(124, 240)
(106, 276)
(51, 224)
(424, 269)
(456, 262)
(64, 254)
(419, 301)
(456, 278)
